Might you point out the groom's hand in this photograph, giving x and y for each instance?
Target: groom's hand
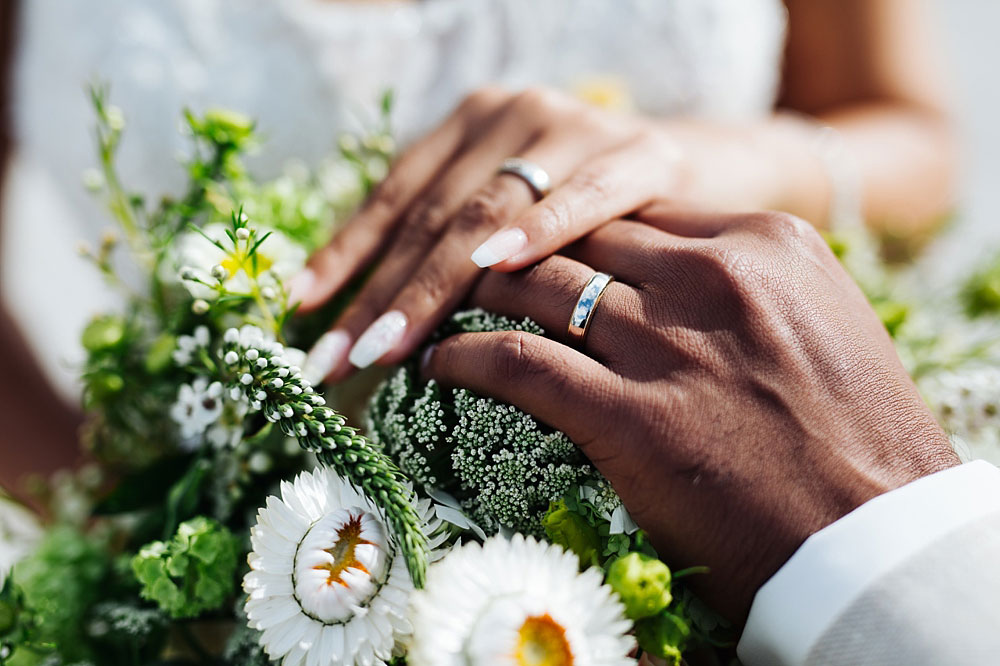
(735, 387)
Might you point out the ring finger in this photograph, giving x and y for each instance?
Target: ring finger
(549, 293)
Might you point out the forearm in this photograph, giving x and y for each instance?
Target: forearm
(902, 157)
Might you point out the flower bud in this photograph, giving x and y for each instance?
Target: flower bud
(200, 306)
(642, 582)
(243, 233)
(103, 333)
(663, 636)
(219, 272)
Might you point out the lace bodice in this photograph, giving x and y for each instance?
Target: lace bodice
(308, 69)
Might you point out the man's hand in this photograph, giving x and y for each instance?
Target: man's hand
(736, 388)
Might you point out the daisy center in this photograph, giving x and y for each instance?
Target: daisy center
(340, 564)
(541, 641)
(343, 552)
(239, 261)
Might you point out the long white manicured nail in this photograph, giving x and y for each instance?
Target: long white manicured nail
(327, 354)
(384, 334)
(300, 284)
(502, 245)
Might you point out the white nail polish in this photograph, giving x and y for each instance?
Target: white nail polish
(300, 284)
(425, 358)
(502, 245)
(384, 334)
(328, 353)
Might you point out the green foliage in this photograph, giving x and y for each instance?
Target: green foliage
(192, 573)
(58, 584)
(980, 295)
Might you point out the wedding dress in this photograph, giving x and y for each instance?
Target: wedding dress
(309, 69)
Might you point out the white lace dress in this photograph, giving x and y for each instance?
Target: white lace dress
(308, 69)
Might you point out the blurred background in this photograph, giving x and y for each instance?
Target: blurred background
(972, 49)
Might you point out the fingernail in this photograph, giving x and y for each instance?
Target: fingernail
(328, 353)
(425, 358)
(384, 334)
(300, 284)
(502, 245)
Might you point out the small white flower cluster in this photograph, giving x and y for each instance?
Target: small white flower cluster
(499, 462)
(966, 402)
(188, 346)
(199, 405)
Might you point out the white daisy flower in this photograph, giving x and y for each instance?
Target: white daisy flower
(201, 261)
(327, 584)
(519, 602)
(198, 406)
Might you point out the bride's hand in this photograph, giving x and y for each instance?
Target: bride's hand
(443, 199)
(735, 387)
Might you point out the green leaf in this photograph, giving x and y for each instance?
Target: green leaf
(145, 487)
(183, 496)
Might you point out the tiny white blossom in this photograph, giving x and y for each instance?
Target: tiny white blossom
(198, 406)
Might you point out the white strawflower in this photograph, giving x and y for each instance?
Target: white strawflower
(200, 261)
(327, 583)
(199, 405)
(519, 602)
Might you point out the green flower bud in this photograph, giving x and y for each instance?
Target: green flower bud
(158, 358)
(103, 333)
(105, 384)
(642, 582)
(571, 531)
(664, 636)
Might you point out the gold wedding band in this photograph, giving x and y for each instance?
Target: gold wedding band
(583, 311)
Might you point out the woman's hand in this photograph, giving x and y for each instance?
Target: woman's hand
(443, 199)
(735, 387)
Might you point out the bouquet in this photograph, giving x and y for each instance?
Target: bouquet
(232, 515)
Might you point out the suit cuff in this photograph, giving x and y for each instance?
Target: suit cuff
(835, 565)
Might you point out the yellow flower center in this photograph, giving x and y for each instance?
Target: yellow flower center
(253, 266)
(342, 551)
(542, 642)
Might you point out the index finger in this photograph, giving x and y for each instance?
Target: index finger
(358, 243)
(561, 387)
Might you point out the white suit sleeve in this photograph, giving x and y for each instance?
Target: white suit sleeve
(912, 576)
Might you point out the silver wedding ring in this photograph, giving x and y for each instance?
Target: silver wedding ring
(535, 176)
(583, 312)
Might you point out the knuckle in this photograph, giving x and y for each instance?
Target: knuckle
(484, 209)
(416, 234)
(517, 358)
(482, 99)
(429, 215)
(388, 195)
(537, 99)
(591, 181)
(778, 225)
(430, 289)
